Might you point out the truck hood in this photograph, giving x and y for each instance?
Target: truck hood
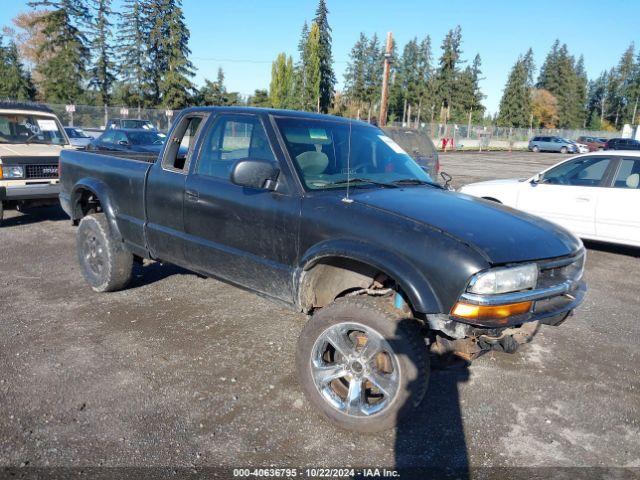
(30, 150)
(501, 234)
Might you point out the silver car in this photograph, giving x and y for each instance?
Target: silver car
(552, 144)
(77, 137)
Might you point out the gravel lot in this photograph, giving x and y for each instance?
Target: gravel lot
(182, 371)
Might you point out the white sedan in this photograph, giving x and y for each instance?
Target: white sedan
(596, 196)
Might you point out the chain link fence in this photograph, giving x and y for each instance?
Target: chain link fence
(92, 117)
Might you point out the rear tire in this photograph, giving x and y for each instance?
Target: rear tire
(363, 364)
(564, 150)
(105, 264)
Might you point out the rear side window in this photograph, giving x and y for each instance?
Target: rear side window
(181, 143)
(628, 174)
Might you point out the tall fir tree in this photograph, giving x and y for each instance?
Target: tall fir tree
(355, 75)
(102, 70)
(596, 102)
(133, 63)
(327, 76)
(64, 54)
(15, 81)
(447, 74)
(313, 57)
(515, 105)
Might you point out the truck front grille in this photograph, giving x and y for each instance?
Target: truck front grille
(42, 171)
(556, 272)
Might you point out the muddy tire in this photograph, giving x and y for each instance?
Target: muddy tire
(363, 364)
(104, 262)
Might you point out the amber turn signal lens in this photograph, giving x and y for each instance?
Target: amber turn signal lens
(489, 312)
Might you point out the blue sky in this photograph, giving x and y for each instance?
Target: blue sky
(244, 36)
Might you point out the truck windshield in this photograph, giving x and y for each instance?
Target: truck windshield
(30, 128)
(326, 154)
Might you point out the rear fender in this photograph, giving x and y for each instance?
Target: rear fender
(100, 190)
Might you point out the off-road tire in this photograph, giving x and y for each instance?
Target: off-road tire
(94, 243)
(401, 331)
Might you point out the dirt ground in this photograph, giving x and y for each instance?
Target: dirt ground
(181, 371)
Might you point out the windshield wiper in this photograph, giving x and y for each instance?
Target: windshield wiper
(350, 181)
(415, 181)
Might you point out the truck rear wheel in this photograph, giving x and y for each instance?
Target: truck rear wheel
(104, 262)
(363, 364)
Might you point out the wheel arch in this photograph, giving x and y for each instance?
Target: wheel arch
(89, 188)
(333, 268)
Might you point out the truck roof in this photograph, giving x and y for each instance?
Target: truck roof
(279, 113)
(25, 106)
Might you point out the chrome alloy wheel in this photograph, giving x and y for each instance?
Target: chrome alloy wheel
(355, 369)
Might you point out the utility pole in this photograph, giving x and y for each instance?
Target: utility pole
(385, 81)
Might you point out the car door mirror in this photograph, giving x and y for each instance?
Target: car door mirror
(255, 174)
(537, 178)
(123, 142)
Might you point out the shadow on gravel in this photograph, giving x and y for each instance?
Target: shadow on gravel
(153, 272)
(612, 248)
(430, 443)
(34, 215)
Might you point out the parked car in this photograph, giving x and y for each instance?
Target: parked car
(147, 144)
(77, 137)
(31, 139)
(552, 144)
(595, 196)
(331, 217)
(130, 123)
(419, 145)
(593, 143)
(622, 144)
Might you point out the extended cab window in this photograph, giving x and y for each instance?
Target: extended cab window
(233, 138)
(583, 172)
(181, 143)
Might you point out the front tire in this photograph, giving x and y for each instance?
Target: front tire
(363, 364)
(104, 262)
(564, 150)
(535, 149)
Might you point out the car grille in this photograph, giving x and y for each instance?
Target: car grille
(42, 171)
(555, 272)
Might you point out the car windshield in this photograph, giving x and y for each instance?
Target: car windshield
(76, 133)
(30, 128)
(144, 138)
(327, 154)
(146, 124)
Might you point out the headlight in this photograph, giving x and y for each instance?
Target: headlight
(504, 280)
(12, 172)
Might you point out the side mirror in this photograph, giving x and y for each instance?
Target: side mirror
(537, 178)
(260, 174)
(447, 180)
(123, 142)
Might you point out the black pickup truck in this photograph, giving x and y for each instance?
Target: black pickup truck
(333, 218)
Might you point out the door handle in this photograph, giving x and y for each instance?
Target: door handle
(192, 195)
(583, 199)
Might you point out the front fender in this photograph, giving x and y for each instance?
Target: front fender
(102, 193)
(413, 283)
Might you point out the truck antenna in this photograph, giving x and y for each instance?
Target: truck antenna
(346, 199)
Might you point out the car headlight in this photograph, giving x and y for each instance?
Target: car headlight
(504, 280)
(12, 171)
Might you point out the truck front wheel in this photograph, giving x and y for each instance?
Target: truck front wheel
(363, 364)
(104, 262)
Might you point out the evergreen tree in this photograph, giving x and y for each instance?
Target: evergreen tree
(101, 73)
(515, 105)
(133, 64)
(64, 54)
(355, 75)
(281, 89)
(301, 71)
(425, 77)
(327, 77)
(596, 98)
(15, 81)
(260, 98)
(374, 64)
(448, 71)
(216, 94)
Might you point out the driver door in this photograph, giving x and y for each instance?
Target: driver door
(568, 193)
